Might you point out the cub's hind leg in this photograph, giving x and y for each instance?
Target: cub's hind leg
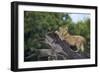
(78, 48)
(82, 47)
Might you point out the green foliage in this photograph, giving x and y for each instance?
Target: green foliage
(37, 24)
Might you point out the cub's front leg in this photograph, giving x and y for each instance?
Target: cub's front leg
(60, 35)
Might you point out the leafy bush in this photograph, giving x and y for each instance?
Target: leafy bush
(38, 24)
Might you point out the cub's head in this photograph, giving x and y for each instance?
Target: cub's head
(62, 31)
(63, 28)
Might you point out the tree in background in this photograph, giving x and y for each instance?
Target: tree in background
(38, 24)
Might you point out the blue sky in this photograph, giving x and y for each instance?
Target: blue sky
(77, 17)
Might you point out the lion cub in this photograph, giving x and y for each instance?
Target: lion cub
(72, 40)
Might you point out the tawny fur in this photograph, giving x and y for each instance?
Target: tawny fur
(73, 40)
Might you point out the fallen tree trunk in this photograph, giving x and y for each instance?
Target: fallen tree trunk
(62, 46)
